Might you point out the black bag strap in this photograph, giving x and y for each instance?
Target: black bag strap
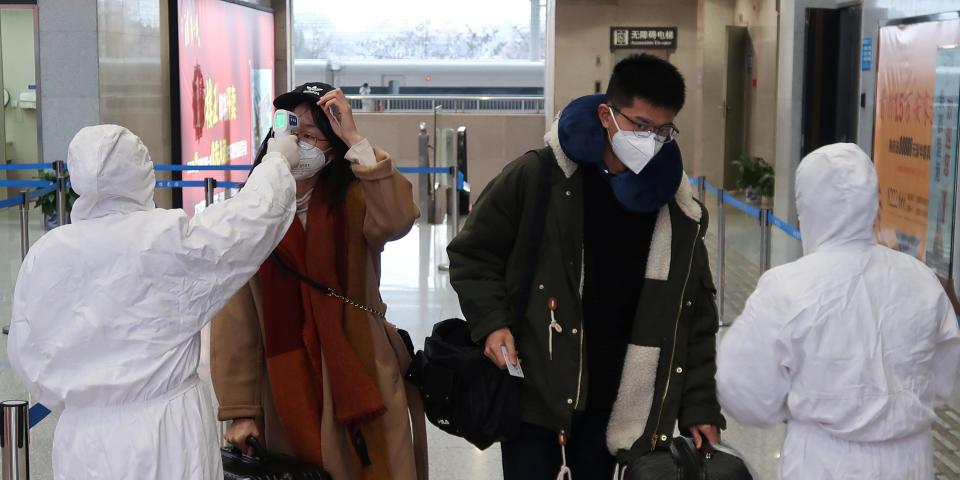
(532, 235)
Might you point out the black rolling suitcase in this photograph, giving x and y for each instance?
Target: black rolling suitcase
(266, 466)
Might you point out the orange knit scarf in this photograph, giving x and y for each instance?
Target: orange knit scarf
(304, 328)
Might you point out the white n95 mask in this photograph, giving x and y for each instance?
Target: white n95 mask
(634, 149)
(312, 160)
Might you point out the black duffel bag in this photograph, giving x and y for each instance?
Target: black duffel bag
(264, 465)
(684, 462)
(464, 393)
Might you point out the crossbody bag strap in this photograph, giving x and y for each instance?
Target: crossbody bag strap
(323, 289)
(419, 426)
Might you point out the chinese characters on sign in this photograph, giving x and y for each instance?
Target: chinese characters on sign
(219, 107)
(907, 107)
(866, 54)
(643, 37)
(943, 163)
(914, 147)
(225, 68)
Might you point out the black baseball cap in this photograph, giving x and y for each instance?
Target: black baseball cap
(308, 92)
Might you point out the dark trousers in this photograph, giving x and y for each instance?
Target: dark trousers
(534, 452)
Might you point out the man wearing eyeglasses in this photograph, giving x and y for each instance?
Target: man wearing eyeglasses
(616, 331)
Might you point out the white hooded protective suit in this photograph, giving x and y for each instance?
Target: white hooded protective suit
(853, 345)
(107, 311)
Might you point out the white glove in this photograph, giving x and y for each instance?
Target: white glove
(286, 146)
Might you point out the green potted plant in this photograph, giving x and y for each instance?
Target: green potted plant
(48, 203)
(754, 178)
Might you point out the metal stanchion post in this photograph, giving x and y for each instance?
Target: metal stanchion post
(454, 208)
(721, 253)
(209, 184)
(24, 234)
(453, 213)
(14, 440)
(702, 188)
(433, 214)
(462, 164)
(436, 132)
(24, 224)
(209, 187)
(764, 239)
(423, 181)
(61, 170)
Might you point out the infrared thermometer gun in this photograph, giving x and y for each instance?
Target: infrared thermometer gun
(284, 123)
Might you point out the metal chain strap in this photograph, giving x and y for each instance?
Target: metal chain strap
(372, 311)
(327, 290)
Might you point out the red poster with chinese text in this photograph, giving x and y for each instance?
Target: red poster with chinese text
(226, 66)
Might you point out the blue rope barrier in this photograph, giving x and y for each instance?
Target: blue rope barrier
(713, 190)
(750, 210)
(37, 413)
(26, 166)
(461, 179)
(743, 207)
(15, 201)
(194, 184)
(25, 183)
(710, 188)
(41, 192)
(10, 202)
(425, 170)
(190, 168)
(786, 227)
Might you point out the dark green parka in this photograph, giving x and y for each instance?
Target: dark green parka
(668, 374)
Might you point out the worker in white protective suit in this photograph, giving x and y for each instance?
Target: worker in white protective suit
(853, 345)
(107, 311)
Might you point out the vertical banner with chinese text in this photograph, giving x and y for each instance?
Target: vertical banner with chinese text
(943, 163)
(903, 129)
(226, 88)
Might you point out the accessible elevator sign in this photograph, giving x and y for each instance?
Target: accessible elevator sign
(643, 37)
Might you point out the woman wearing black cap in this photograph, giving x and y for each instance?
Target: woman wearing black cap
(302, 357)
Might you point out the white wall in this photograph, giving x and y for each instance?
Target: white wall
(19, 71)
(761, 20)
(709, 87)
(134, 75)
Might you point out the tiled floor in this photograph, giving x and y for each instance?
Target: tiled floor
(418, 294)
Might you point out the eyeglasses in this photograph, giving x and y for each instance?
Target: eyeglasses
(664, 133)
(323, 144)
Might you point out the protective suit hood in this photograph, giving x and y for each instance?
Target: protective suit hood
(837, 198)
(110, 169)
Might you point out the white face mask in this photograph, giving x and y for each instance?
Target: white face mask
(634, 149)
(312, 160)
